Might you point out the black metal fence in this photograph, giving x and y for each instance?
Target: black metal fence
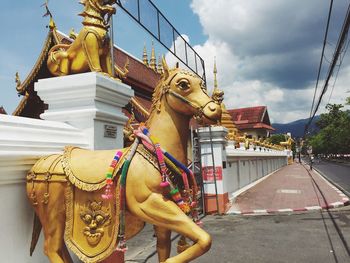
(155, 23)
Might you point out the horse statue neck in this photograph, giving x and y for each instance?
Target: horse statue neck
(171, 129)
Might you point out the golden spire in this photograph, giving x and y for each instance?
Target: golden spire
(226, 119)
(145, 56)
(215, 72)
(160, 65)
(153, 62)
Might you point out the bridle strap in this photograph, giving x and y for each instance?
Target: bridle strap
(199, 109)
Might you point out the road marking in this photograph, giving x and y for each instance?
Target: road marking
(285, 210)
(337, 204)
(233, 212)
(288, 191)
(260, 211)
(316, 207)
(297, 176)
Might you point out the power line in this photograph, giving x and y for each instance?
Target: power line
(339, 48)
(340, 63)
(322, 54)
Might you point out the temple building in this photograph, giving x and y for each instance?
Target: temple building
(254, 121)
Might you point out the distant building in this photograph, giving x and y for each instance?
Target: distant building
(254, 121)
(2, 110)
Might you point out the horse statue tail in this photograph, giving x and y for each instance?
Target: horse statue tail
(36, 233)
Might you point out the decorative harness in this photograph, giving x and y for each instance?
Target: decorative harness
(166, 164)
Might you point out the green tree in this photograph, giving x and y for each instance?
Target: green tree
(277, 138)
(334, 134)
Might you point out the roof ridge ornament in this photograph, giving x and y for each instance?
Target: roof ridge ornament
(52, 24)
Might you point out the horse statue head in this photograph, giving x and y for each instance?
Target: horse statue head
(183, 92)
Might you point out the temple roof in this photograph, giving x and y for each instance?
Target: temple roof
(251, 118)
(141, 78)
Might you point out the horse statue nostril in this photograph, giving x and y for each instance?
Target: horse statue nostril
(212, 107)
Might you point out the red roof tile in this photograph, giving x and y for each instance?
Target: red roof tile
(251, 118)
(248, 115)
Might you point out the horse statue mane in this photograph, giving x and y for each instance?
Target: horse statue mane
(91, 48)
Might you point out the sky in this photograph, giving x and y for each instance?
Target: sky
(267, 52)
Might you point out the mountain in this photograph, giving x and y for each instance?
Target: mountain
(296, 128)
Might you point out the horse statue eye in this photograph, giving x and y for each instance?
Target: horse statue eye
(183, 84)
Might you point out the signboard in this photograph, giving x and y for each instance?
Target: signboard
(110, 131)
(208, 173)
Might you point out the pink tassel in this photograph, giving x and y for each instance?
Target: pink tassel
(199, 223)
(164, 184)
(108, 192)
(122, 246)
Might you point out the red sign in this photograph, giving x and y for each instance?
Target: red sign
(208, 173)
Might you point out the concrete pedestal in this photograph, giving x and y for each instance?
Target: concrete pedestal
(90, 102)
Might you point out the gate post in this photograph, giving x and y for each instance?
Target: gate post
(219, 144)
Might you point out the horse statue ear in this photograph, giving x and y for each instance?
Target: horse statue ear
(177, 65)
(165, 68)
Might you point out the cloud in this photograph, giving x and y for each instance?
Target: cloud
(268, 52)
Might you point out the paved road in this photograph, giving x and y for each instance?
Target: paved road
(298, 238)
(336, 173)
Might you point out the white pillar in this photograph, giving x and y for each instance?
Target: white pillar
(219, 143)
(90, 102)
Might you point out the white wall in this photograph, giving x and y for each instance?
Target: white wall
(22, 142)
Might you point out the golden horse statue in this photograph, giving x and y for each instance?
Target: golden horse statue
(65, 190)
(91, 48)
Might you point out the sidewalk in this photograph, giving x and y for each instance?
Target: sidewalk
(292, 188)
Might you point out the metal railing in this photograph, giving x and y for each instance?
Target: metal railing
(148, 16)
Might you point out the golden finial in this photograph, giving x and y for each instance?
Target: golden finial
(145, 56)
(153, 62)
(160, 66)
(52, 24)
(17, 80)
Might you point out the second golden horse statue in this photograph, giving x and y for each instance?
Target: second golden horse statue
(65, 190)
(91, 49)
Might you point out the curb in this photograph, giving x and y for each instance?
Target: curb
(345, 202)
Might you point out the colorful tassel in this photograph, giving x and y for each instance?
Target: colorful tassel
(122, 247)
(186, 203)
(108, 194)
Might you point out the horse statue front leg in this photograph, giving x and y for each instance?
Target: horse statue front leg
(165, 214)
(163, 242)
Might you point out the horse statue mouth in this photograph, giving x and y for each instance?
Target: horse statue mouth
(211, 114)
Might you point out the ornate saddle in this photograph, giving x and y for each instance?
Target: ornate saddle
(86, 169)
(92, 223)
